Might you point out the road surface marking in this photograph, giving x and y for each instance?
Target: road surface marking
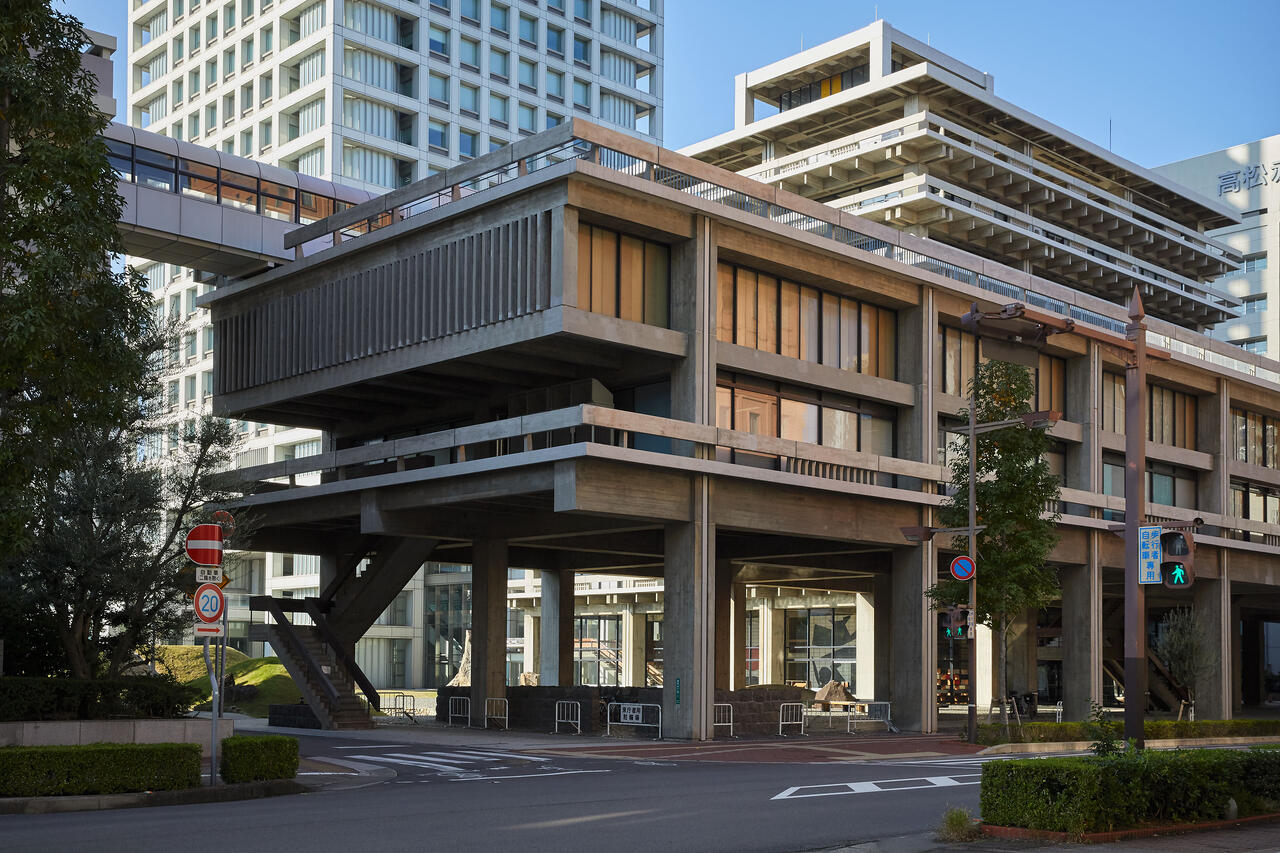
(378, 746)
(800, 792)
(526, 776)
(444, 768)
(490, 752)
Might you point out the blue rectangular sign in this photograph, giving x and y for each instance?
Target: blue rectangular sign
(1149, 554)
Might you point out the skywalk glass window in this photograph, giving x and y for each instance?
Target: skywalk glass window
(764, 312)
(623, 276)
(1254, 438)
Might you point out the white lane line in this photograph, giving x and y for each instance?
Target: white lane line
(527, 775)
(487, 752)
(446, 768)
(844, 788)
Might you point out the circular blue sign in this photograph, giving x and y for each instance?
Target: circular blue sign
(963, 568)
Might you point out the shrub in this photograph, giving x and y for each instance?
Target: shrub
(990, 735)
(957, 825)
(86, 699)
(256, 759)
(1099, 794)
(99, 768)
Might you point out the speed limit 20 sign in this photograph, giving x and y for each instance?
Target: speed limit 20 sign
(210, 604)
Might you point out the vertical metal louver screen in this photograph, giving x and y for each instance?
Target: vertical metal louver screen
(618, 68)
(311, 67)
(373, 21)
(312, 162)
(311, 116)
(366, 67)
(364, 164)
(617, 26)
(159, 65)
(359, 114)
(616, 110)
(311, 19)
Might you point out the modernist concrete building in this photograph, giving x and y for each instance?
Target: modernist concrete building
(1247, 178)
(340, 95)
(583, 355)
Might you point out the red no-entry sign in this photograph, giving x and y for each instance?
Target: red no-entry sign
(204, 545)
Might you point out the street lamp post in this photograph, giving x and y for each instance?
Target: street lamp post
(1135, 502)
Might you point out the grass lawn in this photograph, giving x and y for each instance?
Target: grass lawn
(275, 687)
(187, 662)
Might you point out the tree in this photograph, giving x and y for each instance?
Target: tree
(70, 326)
(1014, 485)
(1180, 643)
(103, 559)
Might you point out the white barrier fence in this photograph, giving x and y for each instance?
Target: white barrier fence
(791, 714)
(568, 713)
(496, 709)
(868, 712)
(633, 714)
(723, 716)
(460, 707)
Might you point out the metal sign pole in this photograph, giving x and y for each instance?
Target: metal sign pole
(213, 705)
(1135, 503)
(973, 548)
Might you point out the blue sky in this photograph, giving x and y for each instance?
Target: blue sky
(1175, 78)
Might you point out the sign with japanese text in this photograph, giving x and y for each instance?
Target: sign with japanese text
(1149, 553)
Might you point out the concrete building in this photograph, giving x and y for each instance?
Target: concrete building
(1247, 179)
(586, 356)
(348, 97)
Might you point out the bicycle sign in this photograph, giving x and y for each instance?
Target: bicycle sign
(210, 603)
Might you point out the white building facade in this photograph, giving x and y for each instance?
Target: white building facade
(1246, 177)
(371, 96)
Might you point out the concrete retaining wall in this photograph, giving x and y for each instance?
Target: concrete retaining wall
(79, 732)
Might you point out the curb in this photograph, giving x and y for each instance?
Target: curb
(1019, 833)
(144, 799)
(1083, 745)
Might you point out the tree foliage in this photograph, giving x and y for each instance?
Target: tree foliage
(1181, 644)
(1013, 487)
(69, 325)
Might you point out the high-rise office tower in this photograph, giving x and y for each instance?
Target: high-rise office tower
(370, 95)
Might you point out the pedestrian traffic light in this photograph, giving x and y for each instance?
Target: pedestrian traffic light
(1177, 550)
(954, 623)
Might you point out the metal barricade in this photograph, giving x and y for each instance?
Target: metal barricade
(873, 712)
(791, 714)
(496, 709)
(569, 713)
(460, 707)
(722, 716)
(632, 714)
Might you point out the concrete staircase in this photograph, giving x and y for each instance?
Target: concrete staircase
(340, 709)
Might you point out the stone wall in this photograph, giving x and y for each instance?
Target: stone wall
(76, 732)
(755, 709)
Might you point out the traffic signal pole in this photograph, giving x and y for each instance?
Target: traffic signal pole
(1135, 502)
(973, 555)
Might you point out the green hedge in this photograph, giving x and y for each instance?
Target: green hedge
(1092, 794)
(98, 768)
(257, 759)
(989, 735)
(84, 699)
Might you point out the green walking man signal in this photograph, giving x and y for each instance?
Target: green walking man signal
(1177, 570)
(955, 624)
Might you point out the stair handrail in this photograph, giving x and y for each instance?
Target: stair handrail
(314, 609)
(287, 630)
(346, 572)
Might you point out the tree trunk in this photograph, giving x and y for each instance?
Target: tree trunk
(1002, 675)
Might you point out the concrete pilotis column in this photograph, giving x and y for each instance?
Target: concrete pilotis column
(914, 656)
(532, 625)
(1237, 663)
(1212, 605)
(688, 630)
(738, 679)
(633, 625)
(488, 624)
(983, 681)
(724, 624)
(864, 627)
(556, 635)
(772, 643)
(328, 570)
(882, 599)
(1082, 635)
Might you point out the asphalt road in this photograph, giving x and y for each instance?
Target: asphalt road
(451, 798)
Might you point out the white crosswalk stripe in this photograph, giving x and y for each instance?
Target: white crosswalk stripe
(466, 764)
(880, 786)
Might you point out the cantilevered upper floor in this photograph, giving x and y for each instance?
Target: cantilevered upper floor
(879, 124)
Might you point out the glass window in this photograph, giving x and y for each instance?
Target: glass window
(555, 84)
(1171, 417)
(498, 63)
(582, 50)
(1051, 384)
(469, 52)
(528, 29)
(820, 647)
(240, 191)
(555, 40)
(582, 9)
(799, 421)
(623, 276)
(469, 99)
(499, 18)
(438, 41)
(438, 88)
(1113, 403)
(527, 118)
(198, 180)
(581, 94)
(498, 109)
(467, 143)
(438, 134)
(527, 74)
(470, 9)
